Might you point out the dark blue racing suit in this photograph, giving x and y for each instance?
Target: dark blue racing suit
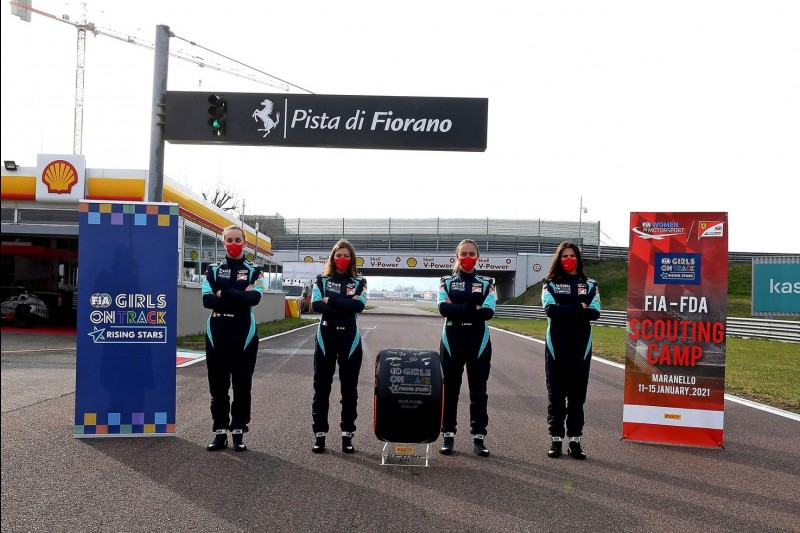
(338, 340)
(465, 342)
(231, 340)
(568, 351)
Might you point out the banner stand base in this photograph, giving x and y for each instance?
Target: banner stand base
(405, 454)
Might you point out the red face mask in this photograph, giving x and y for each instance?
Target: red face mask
(569, 264)
(341, 263)
(467, 263)
(234, 249)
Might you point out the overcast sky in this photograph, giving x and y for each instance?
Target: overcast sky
(633, 106)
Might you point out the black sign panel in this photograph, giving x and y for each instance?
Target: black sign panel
(335, 121)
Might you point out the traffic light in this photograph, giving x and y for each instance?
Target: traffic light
(217, 111)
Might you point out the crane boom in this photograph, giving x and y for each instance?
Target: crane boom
(23, 10)
(80, 67)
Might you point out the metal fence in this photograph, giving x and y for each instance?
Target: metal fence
(495, 234)
(756, 328)
(443, 234)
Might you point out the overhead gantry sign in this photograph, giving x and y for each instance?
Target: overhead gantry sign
(333, 121)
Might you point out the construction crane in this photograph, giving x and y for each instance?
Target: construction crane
(23, 10)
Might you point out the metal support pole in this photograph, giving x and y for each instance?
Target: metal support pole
(598, 240)
(155, 182)
(539, 237)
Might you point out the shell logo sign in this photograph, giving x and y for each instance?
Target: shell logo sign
(60, 176)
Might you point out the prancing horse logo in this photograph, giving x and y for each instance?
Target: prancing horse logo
(264, 116)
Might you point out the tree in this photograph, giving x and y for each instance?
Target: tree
(224, 196)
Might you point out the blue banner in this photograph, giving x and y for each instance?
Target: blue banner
(127, 319)
(776, 286)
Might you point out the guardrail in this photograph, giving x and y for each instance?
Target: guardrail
(756, 328)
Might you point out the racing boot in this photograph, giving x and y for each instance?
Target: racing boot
(220, 441)
(448, 440)
(319, 443)
(238, 442)
(347, 442)
(478, 445)
(575, 451)
(555, 448)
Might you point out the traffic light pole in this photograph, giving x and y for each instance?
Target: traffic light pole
(155, 183)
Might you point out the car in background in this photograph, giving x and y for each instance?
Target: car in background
(24, 307)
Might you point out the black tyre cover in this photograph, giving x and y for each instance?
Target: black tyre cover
(408, 395)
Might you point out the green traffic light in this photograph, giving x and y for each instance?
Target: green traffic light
(217, 112)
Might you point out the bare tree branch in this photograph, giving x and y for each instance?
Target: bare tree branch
(223, 196)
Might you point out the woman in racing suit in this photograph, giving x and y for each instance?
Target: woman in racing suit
(467, 301)
(571, 301)
(231, 289)
(340, 294)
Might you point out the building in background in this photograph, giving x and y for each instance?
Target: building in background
(39, 216)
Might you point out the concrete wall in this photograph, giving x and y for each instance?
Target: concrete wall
(192, 315)
(531, 269)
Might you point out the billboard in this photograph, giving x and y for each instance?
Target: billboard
(405, 261)
(324, 120)
(676, 328)
(776, 286)
(127, 319)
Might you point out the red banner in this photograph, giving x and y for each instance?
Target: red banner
(675, 342)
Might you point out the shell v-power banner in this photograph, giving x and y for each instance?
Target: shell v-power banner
(127, 319)
(675, 342)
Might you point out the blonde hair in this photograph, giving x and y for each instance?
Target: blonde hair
(457, 264)
(233, 227)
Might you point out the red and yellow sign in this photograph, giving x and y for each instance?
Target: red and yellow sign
(676, 323)
(59, 177)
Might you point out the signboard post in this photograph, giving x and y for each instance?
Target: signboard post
(676, 322)
(127, 320)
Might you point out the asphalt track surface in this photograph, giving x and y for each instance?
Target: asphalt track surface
(54, 482)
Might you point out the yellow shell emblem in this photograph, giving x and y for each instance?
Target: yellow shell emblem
(359, 261)
(60, 176)
(412, 262)
(308, 259)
